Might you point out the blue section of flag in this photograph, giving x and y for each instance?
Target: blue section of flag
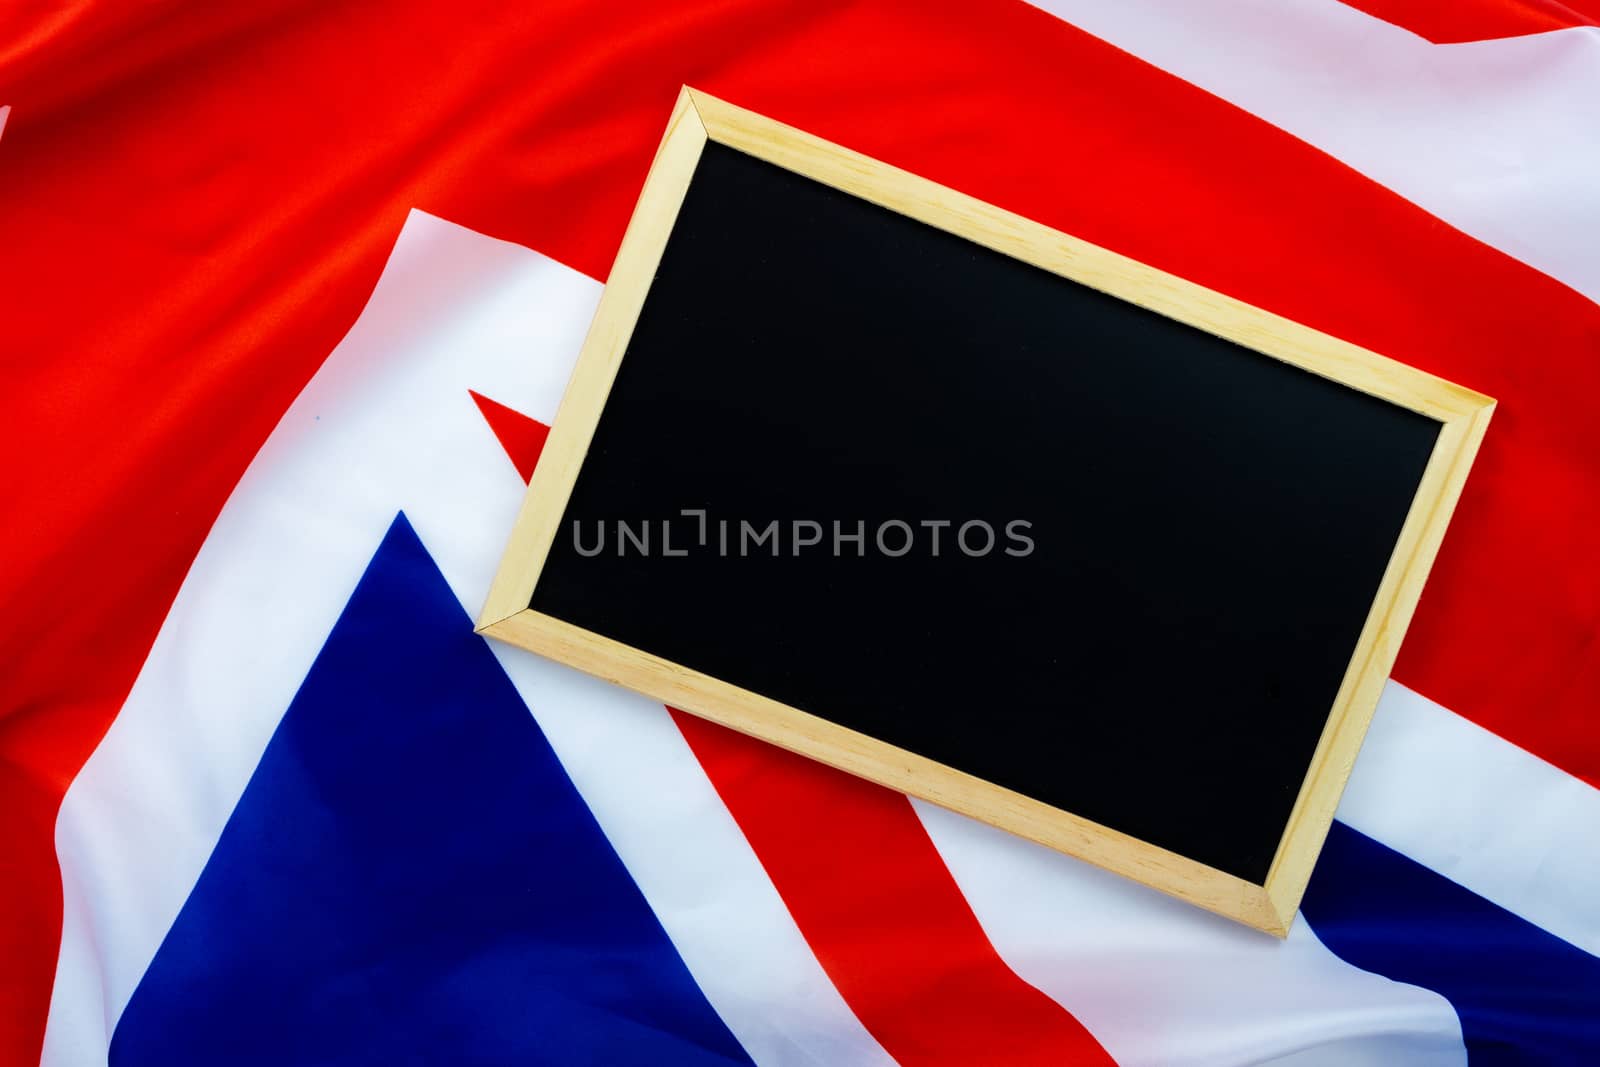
(1524, 996)
(411, 878)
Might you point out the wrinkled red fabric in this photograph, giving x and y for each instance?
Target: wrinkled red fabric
(1481, 20)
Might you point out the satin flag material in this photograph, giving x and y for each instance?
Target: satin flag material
(245, 343)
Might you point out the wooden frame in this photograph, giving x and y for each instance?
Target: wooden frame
(697, 118)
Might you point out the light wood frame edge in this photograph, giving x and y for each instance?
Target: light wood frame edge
(697, 118)
(1127, 279)
(1374, 656)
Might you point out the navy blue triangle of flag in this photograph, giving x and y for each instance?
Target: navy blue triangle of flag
(411, 878)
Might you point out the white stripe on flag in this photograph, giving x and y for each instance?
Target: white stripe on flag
(1501, 138)
(1163, 984)
(1482, 812)
(387, 424)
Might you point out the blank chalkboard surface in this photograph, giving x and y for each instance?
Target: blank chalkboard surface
(887, 476)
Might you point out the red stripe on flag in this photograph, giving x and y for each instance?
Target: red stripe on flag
(882, 913)
(204, 196)
(522, 437)
(1480, 20)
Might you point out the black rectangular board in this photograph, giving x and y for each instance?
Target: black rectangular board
(1178, 544)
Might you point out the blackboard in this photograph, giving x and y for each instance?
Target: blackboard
(857, 475)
